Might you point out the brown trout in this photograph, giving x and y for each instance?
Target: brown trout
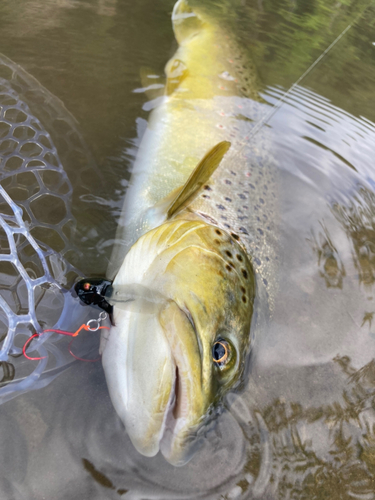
(198, 231)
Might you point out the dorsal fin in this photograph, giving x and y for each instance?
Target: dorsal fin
(200, 175)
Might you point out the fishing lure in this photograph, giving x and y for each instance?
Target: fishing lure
(94, 291)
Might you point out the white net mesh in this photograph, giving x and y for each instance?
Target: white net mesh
(36, 228)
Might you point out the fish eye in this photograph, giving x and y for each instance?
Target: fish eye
(221, 351)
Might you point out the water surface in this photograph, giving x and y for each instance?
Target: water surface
(303, 426)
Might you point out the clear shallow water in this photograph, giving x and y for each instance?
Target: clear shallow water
(303, 426)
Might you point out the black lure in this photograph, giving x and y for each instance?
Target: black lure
(92, 291)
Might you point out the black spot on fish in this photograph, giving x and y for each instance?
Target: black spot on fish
(243, 290)
(227, 181)
(239, 257)
(243, 230)
(235, 236)
(257, 261)
(244, 273)
(226, 225)
(267, 259)
(245, 207)
(242, 196)
(221, 207)
(205, 196)
(244, 299)
(229, 254)
(207, 187)
(252, 186)
(243, 217)
(260, 231)
(261, 200)
(233, 173)
(223, 217)
(228, 268)
(217, 231)
(265, 281)
(227, 199)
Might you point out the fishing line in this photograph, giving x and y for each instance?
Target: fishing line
(283, 98)
(93, 325)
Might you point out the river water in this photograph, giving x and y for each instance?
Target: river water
(303, 427)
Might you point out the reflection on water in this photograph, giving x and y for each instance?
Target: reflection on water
(358, 221)
(304, 425)
(331, 267)
(343, 466)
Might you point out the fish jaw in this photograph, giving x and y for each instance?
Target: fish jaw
(153, 370)
(191, 399)
(140, 374)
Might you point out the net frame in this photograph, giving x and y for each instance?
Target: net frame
(35, 201)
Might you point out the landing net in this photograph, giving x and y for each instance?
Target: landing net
(36, 227)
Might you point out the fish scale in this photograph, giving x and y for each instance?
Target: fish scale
(184, 126)
(241, 196)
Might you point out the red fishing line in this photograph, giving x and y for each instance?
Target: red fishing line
(63, 332)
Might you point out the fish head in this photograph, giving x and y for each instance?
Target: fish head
(168, 368)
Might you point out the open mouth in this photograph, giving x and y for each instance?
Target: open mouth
(172, 415)
(176, 394)
(155, 380)
(180, 412)
(175, 432)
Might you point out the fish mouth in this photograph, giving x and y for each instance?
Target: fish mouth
(182, 416)
(153, 371)
(175, 419)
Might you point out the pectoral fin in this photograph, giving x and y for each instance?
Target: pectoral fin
(179, 198)
(200, 175)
